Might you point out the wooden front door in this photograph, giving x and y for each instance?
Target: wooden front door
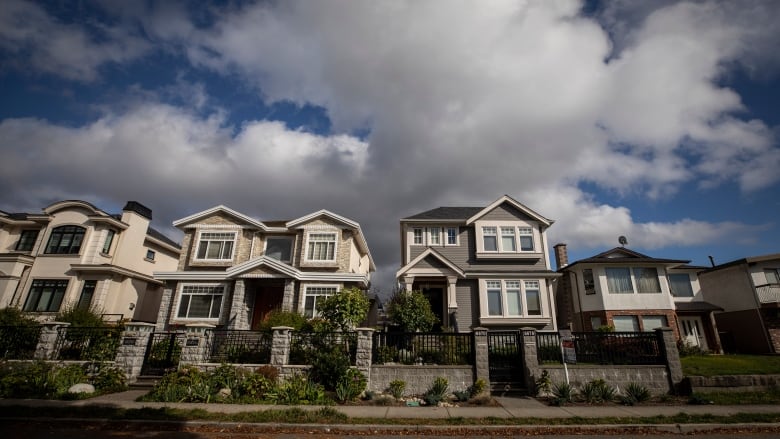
(435, 296)
(267, 299)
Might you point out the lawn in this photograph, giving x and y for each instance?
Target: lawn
(712, 365)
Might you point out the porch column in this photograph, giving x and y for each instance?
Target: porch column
(280, 345)
(408, 283)
(166, 302)
(481, 361)
(289, 292)
(132, 348)
(452, 299)
(238, 309)
(195, 349)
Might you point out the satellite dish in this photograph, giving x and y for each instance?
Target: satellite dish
(623, 241)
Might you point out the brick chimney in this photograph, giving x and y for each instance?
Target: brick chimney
(561, 256)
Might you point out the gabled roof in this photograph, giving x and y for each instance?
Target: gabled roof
(622, 255)
(216, 209)
(430, 252)
(470, 214)
(749, 260)
(516, 204)
(344, 220)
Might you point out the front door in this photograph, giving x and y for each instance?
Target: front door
(267, 299)
(435, 296)
(692, 333)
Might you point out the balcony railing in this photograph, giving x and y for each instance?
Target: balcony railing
(768, 293)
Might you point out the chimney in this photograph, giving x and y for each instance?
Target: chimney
(140, 209)
(561, 256)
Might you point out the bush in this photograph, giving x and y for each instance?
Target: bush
(634, 394)
(82, 318)
(15, 317)
(562, 393)
(345, 309)
(299, 389)
(436, 393)
(18, 334)
(278, 317)
(477, 388)
(328, 366)
(686, 349)
(396, 388)
(597, 391)
(411, 311)
(543, 384)
(350, 386)
(109, 379)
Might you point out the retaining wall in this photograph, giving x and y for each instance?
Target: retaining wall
(730, 383)
(419, 378)
(654, 378)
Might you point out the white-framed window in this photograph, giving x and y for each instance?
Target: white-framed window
(505, 238)
(107, 243)
(315, 294)
(508, 241)
(200, 301)
(435, 235)
(452, 236)
(680, 285)
(279, 248)
(321, 246)
(625, 323)
(772, 275)
(588, 281)
(650, 323)
(526, 239)
(512, 298)
(621, 280)
(489, 240)
(150, 254)
(417, 234)
(216, 246)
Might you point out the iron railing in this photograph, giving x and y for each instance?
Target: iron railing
(630, 348)
(304, 346)
(768, 293)
(19, 342)
(423, 347)
(87, 343)
(240, 346)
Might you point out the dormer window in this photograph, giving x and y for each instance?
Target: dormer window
(65, 240)
(279, 248)
(216, 246)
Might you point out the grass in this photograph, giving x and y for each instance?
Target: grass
(713, 365)
(771, 396)
(329, 415)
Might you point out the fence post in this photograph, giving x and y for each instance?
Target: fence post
(47, 341)
(132, 348)
(530, 358)
(668, 345)
(481, 362)
(195, 349)
(365, 342)
(280, 345)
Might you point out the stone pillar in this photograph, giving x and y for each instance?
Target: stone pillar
(288, 298)
(132, 348)
(668, 346)
(408, 283)
(238, 309)
(196, 344)
(481, 364)
(166, 302)
(364, 352)
(47, 341)
(530, 359)
(280, 345)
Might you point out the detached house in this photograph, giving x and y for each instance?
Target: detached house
(76, 255)
(630, 291)
(481, 266)
(234, 269)
(748, 291)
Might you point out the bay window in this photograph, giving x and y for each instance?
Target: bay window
(526, 239)
(508, 239)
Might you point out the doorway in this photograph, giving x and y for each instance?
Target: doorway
(435, 296)
(267, 299)
(692, 331)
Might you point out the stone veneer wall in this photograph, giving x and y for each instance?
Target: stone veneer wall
(655, 378)
(419, 378)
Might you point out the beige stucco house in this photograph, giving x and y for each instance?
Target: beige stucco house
(74, 254)
(234, 269)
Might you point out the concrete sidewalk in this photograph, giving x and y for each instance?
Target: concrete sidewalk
(521, 407)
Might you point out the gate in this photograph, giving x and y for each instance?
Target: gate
(505, 360)
(162, 353)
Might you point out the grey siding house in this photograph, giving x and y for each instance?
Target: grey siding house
(481, 266)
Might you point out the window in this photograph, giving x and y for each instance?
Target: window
(680, 284)
(418, 236)
(216, 245)
(87, 291)
(150, 254)
(65, 240)
(590, 283)
(489, 239)
(619, 280)
(772, 276)
(526, 239)
(27, 240)
(647, 280)
(109, 240)
(322, 247)
(46, 295)
(508, 239)
(595, 323)
(315, 295)
(625, 323)
(532, 298)
(435, 233)
(514, 304)
(279, 248)
(494, 298)
(200, 301)
(452, 236)
(650, 323)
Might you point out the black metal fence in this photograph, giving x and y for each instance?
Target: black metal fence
(630, 348)
(162, 353)
(87, 343)
(19, 342)
(304, 346)
(423, 347)
(240, 346)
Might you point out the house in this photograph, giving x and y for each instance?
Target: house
(234, 270)
(630, 291)
(76, 255)
(748, 291)
(481, 266)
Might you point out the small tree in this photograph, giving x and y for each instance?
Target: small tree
(411, 311)
(345, 309)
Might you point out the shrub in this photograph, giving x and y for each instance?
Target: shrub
(386, 354)
(543, 384)
(109, 379)
(18, 334)
(278, 317)
(328, 366)
(187, 384)
(437, 391)
(687, 349)
(396, 388)
(269, 372)
(255, 387)
(299, 390)
(634, 394)
(345, 309)
(462, 395)
(226, 377)
(597, 391)
(12, 316)
(478, 387)
(82, 318)
(411, 311)
(562, 393)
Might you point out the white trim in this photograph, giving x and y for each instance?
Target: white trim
(216, 209)
(206, 259)
(322, 212)
(430, 252)
(180, 293)
(507, 199)
(336, 242)
(290, 238)
(483, 299)
(446, 241)
(303, 294)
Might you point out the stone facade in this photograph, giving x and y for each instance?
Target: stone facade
(419, 378)
(655, 378)
(132, 348)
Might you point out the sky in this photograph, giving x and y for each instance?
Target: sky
(656, 120)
